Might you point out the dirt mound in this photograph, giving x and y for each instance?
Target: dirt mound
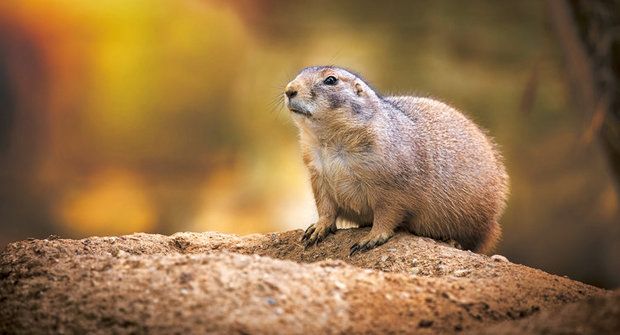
(596, 315)
(210, 282)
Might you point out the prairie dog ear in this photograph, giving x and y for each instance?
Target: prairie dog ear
(359, 88)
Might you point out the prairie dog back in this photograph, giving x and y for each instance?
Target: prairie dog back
(467, 181)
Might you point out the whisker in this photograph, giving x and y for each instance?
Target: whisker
(276, 105)
(277, 100)
(335, 56)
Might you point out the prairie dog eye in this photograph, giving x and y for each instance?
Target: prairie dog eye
(331, 80)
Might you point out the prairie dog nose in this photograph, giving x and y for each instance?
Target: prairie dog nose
(290, 91)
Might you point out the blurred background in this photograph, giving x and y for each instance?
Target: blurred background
(165, 115)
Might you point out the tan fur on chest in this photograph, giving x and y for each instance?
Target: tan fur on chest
(342, 173)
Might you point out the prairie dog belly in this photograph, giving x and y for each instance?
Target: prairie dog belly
(342, 175)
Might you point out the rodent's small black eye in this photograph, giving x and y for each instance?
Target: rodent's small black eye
(331, 80)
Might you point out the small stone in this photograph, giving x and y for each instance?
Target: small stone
(415, 271)
(461, 273)
(340, 285)
(384, 258)
(499, 258)
(181, 243)
(185, 278)
(271, 301)
(425, 323)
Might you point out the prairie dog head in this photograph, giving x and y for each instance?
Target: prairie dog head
(329, 94)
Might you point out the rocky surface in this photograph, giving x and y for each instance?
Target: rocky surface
(595, 315)
(268, 283)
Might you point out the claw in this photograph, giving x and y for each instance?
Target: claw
(308, 233)
(316, 233)
(354, 248)
(368, 244)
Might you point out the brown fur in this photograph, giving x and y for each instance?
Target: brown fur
(391, 162)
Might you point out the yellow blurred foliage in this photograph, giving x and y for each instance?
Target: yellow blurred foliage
(270, 191)
(110, 202)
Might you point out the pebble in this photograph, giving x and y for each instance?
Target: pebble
(499, 258)
(340, 284)
(462, 272)
(415, 271)
(425, 323)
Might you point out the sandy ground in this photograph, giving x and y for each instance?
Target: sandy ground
(267, 283)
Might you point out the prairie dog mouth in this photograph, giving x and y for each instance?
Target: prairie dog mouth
(300, 112)
(298, 108)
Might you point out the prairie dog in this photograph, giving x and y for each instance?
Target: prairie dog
(395, 161)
